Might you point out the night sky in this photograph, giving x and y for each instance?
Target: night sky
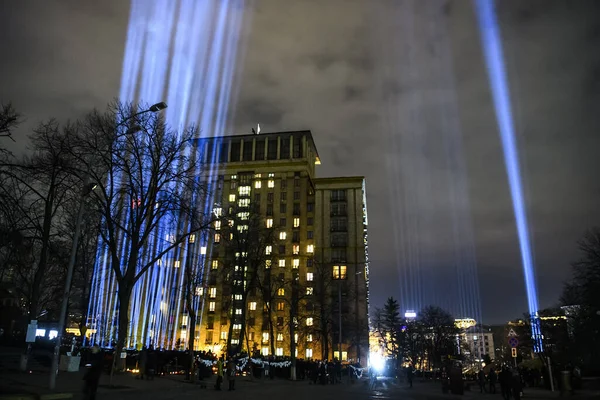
(393, 90)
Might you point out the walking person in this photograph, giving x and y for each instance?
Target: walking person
(492, 378)
(231, 374)
(409, 375)
(92, 375)
(481, 380)
(219, 373)
(504, 379)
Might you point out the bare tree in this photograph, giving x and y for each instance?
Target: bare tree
(145, 179)
(245, 238)
(324, 305)
(37, 187)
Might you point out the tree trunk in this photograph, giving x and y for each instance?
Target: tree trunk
(124, 296)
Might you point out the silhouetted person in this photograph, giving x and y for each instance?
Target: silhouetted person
(505, 385)
(409, 375)
(481, 380)
(92, 375)
(231, 374)
(516, 385)
(493, 378)
(219, 374)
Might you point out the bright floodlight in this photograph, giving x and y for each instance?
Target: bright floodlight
(158, 106)
(377, 362)
(410, 314)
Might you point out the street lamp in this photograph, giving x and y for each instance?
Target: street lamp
(86, 190)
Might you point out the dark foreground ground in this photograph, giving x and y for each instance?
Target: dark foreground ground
(15, 386)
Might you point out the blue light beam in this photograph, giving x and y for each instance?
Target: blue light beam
(492, 48)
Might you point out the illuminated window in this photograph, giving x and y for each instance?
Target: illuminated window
(279, 351)
(266, 306)
(233, 177)
(281, 292)
(243, 215)
(230, 236)
(339, 272)
(237, 327)
(280, 306)
(244, 203)
(211, 306)
(252, 305)
(271, 183)
(192, 238)
(242, 228)
(280, 337)
(310, 249)
(217, 225)
(170, 238)
(177, 263)
(282, 263)
(295, 338)
(267, 264)
(238, 311)
(217, 237)
(244, 190)
(308, 353)
(224, 335)
(282, 235)
(265, 336)
(257, 184)
(269, 222)
(215, 264)
(296, 222)
(232, 198)
(264, 351)
(271, 175)
(309, 337)
(309, 276)
(218, 211)
(268, 250)
(257, 175)
(203, 250)
(309, 321)
(237, 296)
(184, 320)
(309, 291)
(212, 292)
(199, 291)
(296, 249)
(231, 222)
(295, 263)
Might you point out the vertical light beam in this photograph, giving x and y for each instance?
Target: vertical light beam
(492, 48)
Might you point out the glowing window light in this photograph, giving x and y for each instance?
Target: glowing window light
(282, 235)
(215, 264)
(410, 314)
(271, 183)
(244, 190)
(238, 311)
(52, 334)
(309, 353)
(218, 211)
(232, 198)
(211, 306)
(296, 249)
(268, 264)
(309, 276)
(309, 321)
(282, 263)
(217, 225)
(309, 337)
(224, 335)
(192, 238)
(40, 332)
(269, 222)
(203, 250)
(268, 249)
(279, 351)
(309, 291)
(296, 222)
(252, 306)
(491, 43)
(264, 351)
(296, 263)
(257, 184)
(310, 249)
(280, 337)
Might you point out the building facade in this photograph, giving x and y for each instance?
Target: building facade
(283, 248)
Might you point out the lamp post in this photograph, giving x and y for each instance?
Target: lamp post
(87, 189)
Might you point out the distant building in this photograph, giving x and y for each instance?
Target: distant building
(476, 341)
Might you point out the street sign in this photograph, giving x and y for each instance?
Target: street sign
(513, 341)
(512, 333)
(513, 352)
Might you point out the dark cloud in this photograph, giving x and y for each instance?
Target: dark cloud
(395, 90)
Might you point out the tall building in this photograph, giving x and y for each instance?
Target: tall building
(286, 247)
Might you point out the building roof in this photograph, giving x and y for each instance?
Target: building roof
(307, 132)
